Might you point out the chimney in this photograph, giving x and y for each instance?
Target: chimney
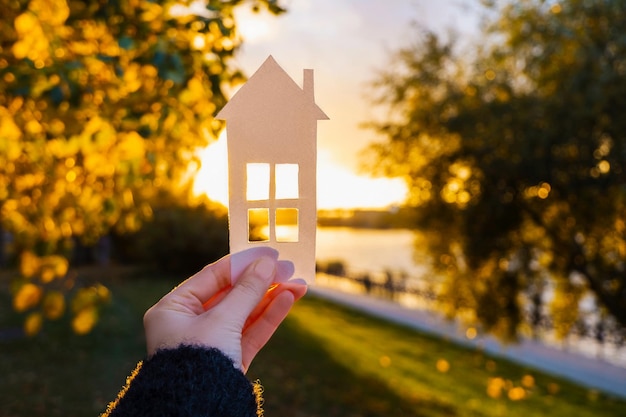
(307, 84)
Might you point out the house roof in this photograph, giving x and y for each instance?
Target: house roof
(269, 88)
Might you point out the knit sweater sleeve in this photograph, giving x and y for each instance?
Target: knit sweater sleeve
(187, 381)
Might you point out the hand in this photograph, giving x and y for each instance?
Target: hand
(234, 305)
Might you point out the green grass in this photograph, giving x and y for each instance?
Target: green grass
(61, 374)
(325, 360)
(328, 360)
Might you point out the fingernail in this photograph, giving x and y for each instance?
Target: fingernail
(265, 267)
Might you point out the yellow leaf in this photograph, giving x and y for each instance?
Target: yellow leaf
(94, 162)
(29, 264)
(56, 127)
(66, 229)
(495, 387)
(149, 71)
(47, 275)
(517, 393)
(54, 305)
(132, 81)
(92, 126)
(127, 198)
(25, 23)
(528, 381)
(443, 365)
(131, 146)
(33, 127)
(60, 264)
(85, 320)
(32, 42)
(62, 148)
(27, 297)
(33, 324)
(54, 12)
(105, 137)
(20, 49)
(152, 11)
(10, 134)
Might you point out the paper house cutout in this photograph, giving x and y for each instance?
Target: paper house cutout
(271, 127)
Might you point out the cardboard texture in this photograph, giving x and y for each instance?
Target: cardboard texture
(271, 130)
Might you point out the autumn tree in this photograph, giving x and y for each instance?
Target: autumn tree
(102, 103)
(515, 155)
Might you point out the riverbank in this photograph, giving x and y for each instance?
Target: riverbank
(589, 372)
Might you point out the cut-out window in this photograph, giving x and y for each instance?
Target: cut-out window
(287, 183)
(257, 181)
(287, 228)
(258, 225)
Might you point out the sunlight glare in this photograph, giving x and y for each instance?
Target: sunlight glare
(255, 26)
(337, 186)
(212, 177)
(195, 8)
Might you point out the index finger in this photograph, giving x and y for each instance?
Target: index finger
(209, 282)
(215, 279)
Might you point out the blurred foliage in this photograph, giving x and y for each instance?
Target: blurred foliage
(42, 291)
(385, 369)
(514, 153)
(101, 105)
(180, 238)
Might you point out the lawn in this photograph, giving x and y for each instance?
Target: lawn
(325, 360)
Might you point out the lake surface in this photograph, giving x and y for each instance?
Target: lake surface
(369, 250)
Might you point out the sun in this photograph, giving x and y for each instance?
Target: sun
(337, 186)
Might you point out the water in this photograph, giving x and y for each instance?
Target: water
(375, 251)
(369, 250)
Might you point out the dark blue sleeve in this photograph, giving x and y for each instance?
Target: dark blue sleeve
(187, 381)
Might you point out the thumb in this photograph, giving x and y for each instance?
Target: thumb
(249, 290)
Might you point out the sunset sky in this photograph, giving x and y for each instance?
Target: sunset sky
(346, 42)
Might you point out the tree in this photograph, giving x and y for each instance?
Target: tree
(514, 153)
(102, 103)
